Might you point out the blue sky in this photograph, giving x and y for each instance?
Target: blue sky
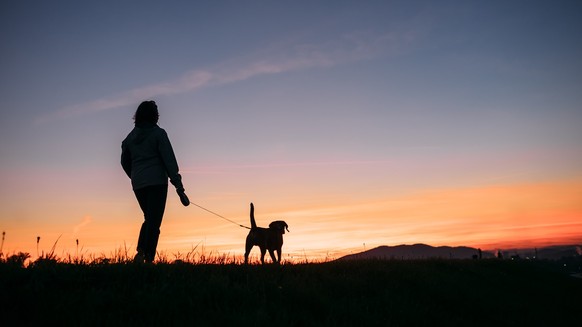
(289, 102)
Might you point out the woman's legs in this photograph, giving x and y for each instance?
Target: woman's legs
(152, 200)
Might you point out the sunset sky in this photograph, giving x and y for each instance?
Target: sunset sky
(359, 123)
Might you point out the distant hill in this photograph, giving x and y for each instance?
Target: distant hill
(417, 251)
(423, 251)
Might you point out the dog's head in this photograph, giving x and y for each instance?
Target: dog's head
(279, 226)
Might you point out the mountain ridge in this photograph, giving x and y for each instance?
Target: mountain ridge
(424, 251)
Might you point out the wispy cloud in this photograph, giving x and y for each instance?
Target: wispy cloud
(349, 48)
(206, 169)
(86, 221)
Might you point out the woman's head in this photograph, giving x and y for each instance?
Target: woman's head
(147, 112)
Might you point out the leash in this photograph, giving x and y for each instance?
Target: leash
(214, 213)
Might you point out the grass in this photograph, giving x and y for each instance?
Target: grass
(220, 292)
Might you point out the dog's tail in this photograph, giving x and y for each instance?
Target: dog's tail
(253, 222)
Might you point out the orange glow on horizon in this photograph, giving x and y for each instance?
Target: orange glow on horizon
(490, 217)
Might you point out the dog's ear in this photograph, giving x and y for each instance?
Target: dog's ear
(279, 225)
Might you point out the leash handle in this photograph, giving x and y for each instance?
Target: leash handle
(183, 197)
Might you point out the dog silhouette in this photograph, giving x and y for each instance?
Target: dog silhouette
(267, 239)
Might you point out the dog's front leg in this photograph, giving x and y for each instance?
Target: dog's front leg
(272, 254)
(279, 255)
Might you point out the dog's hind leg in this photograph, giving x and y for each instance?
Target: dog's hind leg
(248, 248)
(246, 257)
(263, 252)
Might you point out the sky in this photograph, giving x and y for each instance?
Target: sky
(359, 123)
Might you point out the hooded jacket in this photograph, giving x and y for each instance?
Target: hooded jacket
(147, 157)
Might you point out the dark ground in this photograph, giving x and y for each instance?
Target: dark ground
(352, 293)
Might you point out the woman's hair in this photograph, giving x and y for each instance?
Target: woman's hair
(147, 112)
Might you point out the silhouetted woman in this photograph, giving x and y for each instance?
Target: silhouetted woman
(148, 159)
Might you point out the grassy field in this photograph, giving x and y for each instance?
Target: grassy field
(350, 293)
